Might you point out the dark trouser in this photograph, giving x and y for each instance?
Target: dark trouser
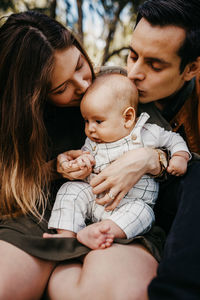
(179, 271)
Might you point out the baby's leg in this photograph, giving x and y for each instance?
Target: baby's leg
(134, 218)
(73, 203)
(100, 235)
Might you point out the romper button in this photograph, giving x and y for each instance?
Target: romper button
(94, 148)
(134, 136)
(174, 124)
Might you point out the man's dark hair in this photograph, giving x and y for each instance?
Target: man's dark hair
(181, 13)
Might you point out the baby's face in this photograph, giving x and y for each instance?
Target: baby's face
(104, 122)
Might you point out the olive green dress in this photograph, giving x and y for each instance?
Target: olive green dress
(65, 128)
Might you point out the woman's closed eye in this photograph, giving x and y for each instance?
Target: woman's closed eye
(61, 90)
(80, 63)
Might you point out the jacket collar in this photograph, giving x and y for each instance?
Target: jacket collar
(175, 102)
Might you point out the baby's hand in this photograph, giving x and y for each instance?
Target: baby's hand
(68, 167)
(84, 160)
(177, 165)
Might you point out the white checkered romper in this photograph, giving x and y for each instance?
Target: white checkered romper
(75, 202)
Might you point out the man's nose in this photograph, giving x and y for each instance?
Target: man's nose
(136, 72)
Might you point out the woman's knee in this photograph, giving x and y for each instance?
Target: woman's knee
(22, 276)
(119, 272)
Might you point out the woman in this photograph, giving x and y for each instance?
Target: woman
(43, 74)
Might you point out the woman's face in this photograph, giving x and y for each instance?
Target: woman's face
(71, 77)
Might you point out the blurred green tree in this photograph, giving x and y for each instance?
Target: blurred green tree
(112, 14)
(5, 4)
(113, 18)
(117, 19)
(45, 6)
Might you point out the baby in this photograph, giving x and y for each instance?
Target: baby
(109, 109)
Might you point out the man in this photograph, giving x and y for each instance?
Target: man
(164, 63)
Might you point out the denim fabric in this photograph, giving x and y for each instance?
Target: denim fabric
(179, 271)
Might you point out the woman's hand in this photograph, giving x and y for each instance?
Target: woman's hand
(70, 169)
(117, 179)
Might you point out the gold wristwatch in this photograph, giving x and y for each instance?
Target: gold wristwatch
(162, 156)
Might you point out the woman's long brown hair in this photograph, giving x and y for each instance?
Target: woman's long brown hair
(27, 44)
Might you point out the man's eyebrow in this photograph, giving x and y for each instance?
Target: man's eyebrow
(154, 59)
(60, 85)
(132, 50)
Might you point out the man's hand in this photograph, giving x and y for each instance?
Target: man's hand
(118, 178)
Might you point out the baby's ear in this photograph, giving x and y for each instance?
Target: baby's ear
(129, 117)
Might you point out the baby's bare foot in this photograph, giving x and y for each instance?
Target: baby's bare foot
(96, 236)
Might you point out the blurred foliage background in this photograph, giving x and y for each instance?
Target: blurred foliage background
(103, 26)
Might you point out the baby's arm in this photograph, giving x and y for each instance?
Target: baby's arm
(178, 163)
(174, 143)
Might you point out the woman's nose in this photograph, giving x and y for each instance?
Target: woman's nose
(82, 85)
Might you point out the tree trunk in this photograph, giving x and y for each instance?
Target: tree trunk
(112, 28)
(80, 19)
(52, 9)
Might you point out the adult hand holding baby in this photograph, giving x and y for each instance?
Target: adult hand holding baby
(122, 174)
